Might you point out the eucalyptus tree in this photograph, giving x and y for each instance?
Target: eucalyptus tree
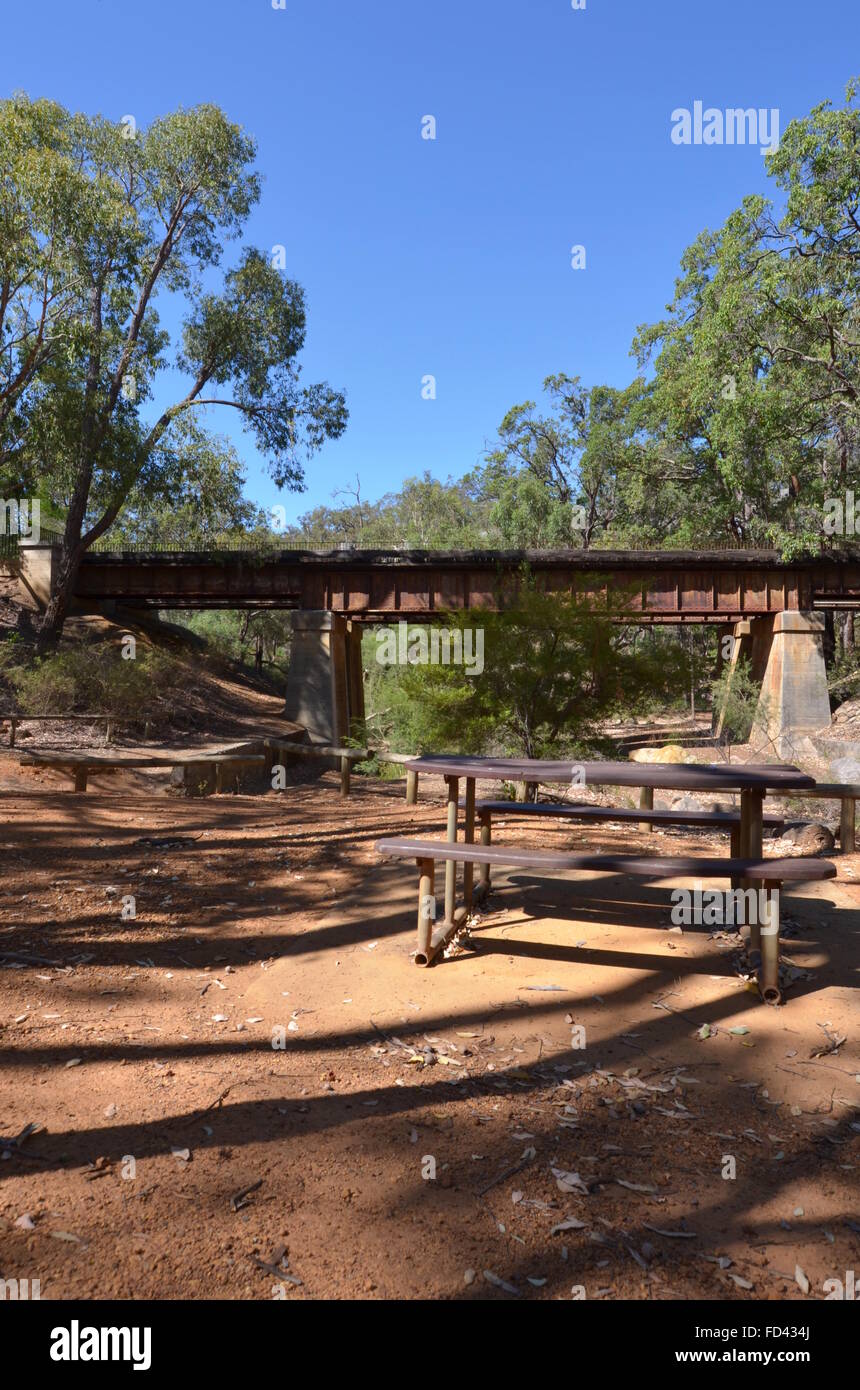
(127, 219)
(564, 470)
(754, 398)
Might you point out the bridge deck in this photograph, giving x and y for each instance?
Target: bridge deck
(637, 586)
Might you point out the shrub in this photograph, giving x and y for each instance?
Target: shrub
(96, 678)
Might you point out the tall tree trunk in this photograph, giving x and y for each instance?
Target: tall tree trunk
(72, 551)
(71, 554)
(829, 640)
(848, 633)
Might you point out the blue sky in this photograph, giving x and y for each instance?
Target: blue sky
(452, 257)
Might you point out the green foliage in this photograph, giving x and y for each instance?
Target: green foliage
(194, 498)
(566, 468)
(553, 669)
(94, 678)
(246, 636)
(108, 219)
(753, 409)
(738, 695)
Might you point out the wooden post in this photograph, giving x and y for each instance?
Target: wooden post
(735, 850)
(486, 838)
(13, 724)
(469, 837)
(219, 778)
(411, 787)
(520, 791)
(451, 864)
(744, 841)
(80, 779)
(846, 825)
(646, 803)
(756, 831)
(426, 909)
(344, 775)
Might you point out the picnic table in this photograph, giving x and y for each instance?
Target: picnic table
(752, 781)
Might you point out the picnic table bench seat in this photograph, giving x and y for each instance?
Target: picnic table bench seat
(769, 873)
(710, 820)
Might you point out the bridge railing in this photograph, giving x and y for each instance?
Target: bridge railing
(51, 533)
(250, 545)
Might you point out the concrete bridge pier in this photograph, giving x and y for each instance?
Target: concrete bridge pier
(786, 658)
(794, 700)
(325, 683)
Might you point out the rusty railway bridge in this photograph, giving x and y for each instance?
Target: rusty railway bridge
(712, 586)
(775, 608)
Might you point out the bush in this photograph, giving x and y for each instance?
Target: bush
(551, 671)
(95, 678)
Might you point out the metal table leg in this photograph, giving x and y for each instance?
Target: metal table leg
(451, 864)
(469, 837)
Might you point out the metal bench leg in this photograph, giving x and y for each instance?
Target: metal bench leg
(646, 803)
(484, 869)
(754, 850)
(769, 929)
(426, 910)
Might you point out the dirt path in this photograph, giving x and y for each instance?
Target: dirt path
(376, 1132)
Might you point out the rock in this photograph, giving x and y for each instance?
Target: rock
(812, 838)
(845, 770)
(687, 803)
(670, 753)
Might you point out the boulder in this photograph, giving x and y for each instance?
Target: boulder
(670, 753)
(811, 838)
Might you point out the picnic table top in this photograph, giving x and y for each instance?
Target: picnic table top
(668, 776)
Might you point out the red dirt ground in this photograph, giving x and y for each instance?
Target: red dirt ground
(145, 1049)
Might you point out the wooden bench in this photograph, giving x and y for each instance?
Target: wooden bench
(345, 756)
(711, 820)
(79, 765)
(769, 873)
